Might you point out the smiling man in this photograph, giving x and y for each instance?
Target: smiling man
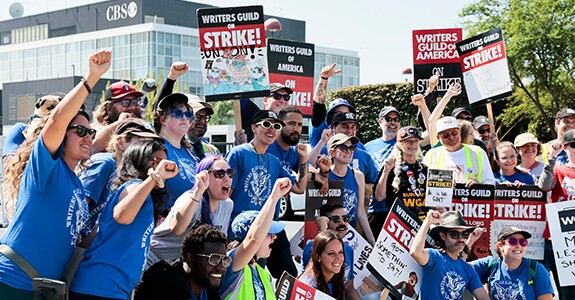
(198, 127)
(197, 274)
(389, 121)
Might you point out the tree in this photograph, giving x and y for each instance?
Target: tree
(539, 37)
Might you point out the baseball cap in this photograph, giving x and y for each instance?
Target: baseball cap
(446, 123)
(242, 223)
(525, 138)
(171, 100)
(197, 105)
(408, 132)
(569, 137)
(386, 110)
(120, 90)
(343, 118)
(565, 112)
(511, 230)
(480, 121)
(274, 87)
(137, 127)
(267, 115)
(340, 139)
(335, 103)
(460, 110)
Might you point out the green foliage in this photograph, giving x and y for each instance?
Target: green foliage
(223, 113)
(539, 37)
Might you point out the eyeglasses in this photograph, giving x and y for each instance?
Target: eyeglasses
(220, 173)
(390, 119)
(456, 234)
(514, 241)
(482, 131)
(81, 130)
(200, 118)
(337, 219)
(278, 96)
(446, 135)
(215, 259)
(268, 124)
(506, 158)
(411, 131)
(178, 114)
(346, 149)
(465, 118)
(127, 102)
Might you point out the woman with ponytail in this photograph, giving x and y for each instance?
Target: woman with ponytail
(207, 202)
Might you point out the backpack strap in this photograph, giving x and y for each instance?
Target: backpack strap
(19, 261)
(491, 267)
(533, 265)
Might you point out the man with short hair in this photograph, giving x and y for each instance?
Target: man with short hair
(197, 274)
(564, 121)
(389, 121)
(198, 127)
(469, 163)
(284, 147)
(445, 274)
(462, 113)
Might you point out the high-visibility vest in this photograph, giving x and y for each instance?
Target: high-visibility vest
(247, 290)
(468, 161)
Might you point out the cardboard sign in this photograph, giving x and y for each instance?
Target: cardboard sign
(561, 218)
(439, 188)
(233, 52)
(292, 64)
(289, 288)
(314, 200)
(434, 53)
(484, 66)
(361, 251)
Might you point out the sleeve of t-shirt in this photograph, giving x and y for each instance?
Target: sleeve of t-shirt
(230, 279)
(42, 163)
(95, 179)
(234, 161)
(350, 253)
(481, 266)
(14, 139)
(542, 282)
(315, 133)
(370, 169)
(473, 282)
(318, 114)
(433, 257)
(226, 212)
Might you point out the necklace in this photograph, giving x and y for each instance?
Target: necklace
(260, 168)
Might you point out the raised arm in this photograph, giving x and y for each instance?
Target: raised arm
(314, 153)
(417, 250)
(260, 227)
(381, 188)
(185, 213)
(57, 124)
(453, 90)
(301, 180)
(547, 179)
(321, 92)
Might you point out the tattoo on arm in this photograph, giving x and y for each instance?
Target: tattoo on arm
(302, 171)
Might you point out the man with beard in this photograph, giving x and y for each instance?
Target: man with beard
(445, 274)
(380, 148)
(199, 126)
(197, 274)
(284, 146)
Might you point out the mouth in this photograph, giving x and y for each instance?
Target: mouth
(87, 147)
(226, 189)
(216, 275)
(337, 265)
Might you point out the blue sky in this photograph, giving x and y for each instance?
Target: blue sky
(379, 30)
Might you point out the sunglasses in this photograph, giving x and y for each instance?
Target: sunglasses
(456, 234)
(128, 102)
(279, 96)
(81, 130)
(572, 145)
(514, 241)
(200, 118)
(337, 219)
(409, 132)
(215, 259)
(220, 173)
(268, 124)
(346, 149)
(465, 118)
(390, 119)
(178, 114)
(482, 131)
(446, 135)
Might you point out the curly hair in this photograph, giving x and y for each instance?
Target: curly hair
(160, 114)
(136, 161)
(195, 239)
(314, 267)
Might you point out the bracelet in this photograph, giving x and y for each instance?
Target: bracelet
(324, 173)
(324, 78)
(156, 177)
(88, 88)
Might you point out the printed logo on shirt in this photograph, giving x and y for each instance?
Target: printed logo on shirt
(145, 243)
(186, 166)
(349, 202)
(507, 290)
(452, 286)
(258, 185)
(77, 215)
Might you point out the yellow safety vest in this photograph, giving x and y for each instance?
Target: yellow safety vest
(468, 161)
(247, 290)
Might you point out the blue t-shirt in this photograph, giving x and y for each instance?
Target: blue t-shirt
(50, 213)
(97, 181)
(522, 177)
(512, 284)
(232, 281)
(379, 149)
(363, 162)
(14, 139)
(348, 259)
(256, 175)
(350, 193)
(114, 262)
(288, 158)
(445, 278)
(185, 179)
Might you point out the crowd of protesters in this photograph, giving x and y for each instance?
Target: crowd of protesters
(121, 208)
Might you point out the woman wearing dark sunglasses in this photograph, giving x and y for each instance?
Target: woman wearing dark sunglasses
(207, 203)
(172, 119)
(115, 258)
(51, 209)
(513, 276)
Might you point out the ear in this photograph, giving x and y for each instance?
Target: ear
(254, 128)
(442, 235)
(266, 101)
(190, 259)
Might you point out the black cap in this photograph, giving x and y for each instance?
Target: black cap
(341, 118)
(267, 115)
(171, 100)
(460, 110)
(569, 137)
(386, 110)
(511, 230)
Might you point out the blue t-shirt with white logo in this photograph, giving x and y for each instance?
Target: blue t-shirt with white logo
(114, 262)
(97, 180)
(51, 210)
(350, 193)
(513, 284)
(446, 278)
(380, 149)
